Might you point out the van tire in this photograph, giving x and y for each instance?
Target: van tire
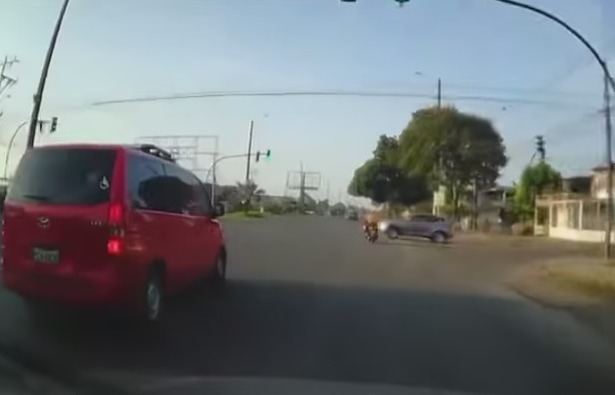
(219, 274)
(152, 303)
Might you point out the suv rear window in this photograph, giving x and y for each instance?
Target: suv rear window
(64, 176)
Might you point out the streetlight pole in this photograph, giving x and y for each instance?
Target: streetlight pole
(38, 96)
(571, 30)
(8, 148)
(609, 180)
(438, 91)
(16, 132)
(608, 81)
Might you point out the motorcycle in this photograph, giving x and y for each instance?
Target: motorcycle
(370, 233)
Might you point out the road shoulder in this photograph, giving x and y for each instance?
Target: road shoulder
(584, 287)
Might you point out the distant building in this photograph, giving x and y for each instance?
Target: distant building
(599, 181)
(578, 184)
(577, 213)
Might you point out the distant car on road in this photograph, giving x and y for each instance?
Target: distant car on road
(352, 215)
(108, 225)
(428, 226)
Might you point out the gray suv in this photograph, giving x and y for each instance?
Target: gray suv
(428, 226)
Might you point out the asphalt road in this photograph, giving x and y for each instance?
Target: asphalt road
(309, 299)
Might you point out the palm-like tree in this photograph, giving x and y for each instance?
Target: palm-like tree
(248, 191)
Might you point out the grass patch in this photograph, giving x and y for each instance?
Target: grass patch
(567, 282)
(597, 280)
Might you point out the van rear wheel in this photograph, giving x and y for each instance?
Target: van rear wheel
(153, 297)
(219, 274)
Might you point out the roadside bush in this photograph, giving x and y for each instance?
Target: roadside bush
(276, 209)
(522, 229)
(483, 224)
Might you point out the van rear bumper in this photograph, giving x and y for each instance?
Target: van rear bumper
(104, 289)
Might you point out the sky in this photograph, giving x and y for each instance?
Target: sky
(115, 49)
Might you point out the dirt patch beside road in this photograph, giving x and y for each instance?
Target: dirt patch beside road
(567, 282)
(583, 286)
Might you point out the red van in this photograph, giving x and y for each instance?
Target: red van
(108, 225)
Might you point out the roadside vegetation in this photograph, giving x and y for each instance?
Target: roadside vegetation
(248, 200)
(456, 154)
(568, 282)
(439, 146)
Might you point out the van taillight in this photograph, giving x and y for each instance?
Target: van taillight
(115, 244)
(116, 214)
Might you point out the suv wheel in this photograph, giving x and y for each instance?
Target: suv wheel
(438, 237)
(392, 233)
(153, 296)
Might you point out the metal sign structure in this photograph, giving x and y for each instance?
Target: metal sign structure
(303, 181)
(195, 152)
(306, 180)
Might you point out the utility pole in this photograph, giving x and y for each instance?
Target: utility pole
(328, 190)
(609, 161)
(5, 80)
(439, 93)
(436, 209)
(540, 147)
(38, 96)
(250, 136)
(302, 189)
(246, 205)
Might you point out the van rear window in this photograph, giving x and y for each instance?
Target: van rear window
(63, 176)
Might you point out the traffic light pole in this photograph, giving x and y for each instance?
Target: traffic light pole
(38, 96)
(12, 140)
(220, 159)
(250, 137)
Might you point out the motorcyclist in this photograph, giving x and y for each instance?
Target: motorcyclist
(370, 222)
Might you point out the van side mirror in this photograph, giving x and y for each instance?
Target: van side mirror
(219, 210)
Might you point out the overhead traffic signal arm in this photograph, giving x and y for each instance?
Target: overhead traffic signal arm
(267, 155)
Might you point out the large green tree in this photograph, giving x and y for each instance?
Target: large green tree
(534, 181)
(381, 180)
(452, 148)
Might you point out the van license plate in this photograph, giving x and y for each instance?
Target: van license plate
(44, 255)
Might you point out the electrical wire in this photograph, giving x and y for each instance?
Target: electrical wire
(560, 130)
(348, 93)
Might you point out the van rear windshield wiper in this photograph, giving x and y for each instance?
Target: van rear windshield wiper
(39, 198)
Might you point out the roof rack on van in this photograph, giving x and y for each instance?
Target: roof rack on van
(156, 151)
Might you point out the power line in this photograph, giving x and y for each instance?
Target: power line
(561, 129)
(348, 93)
(580, 62)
